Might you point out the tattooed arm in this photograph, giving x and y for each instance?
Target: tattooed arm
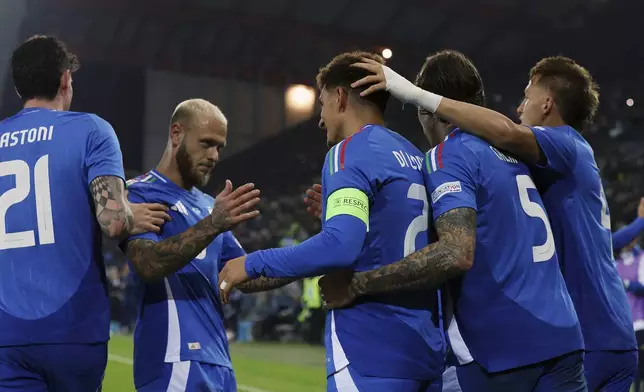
(112, 209)
(154, 261)
(451, 256)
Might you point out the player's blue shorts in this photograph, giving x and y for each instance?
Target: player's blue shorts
(561, 374)
(53, 367)
(191, 376)
(349, 380)
(610, 371)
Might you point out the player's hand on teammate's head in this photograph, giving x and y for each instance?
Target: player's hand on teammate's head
(313, 200)
(640, 209)
(148, 217)
(233, 206)
(336, 289)
(385, 78)
(233, 274)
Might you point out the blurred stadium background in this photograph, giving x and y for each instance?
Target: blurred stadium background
(257, 60)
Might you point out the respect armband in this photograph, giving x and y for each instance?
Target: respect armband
(348, 201)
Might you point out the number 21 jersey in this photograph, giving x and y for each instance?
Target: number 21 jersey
(52, 287)
(512, 308)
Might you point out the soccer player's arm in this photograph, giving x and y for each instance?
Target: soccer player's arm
(451, 186)
(348, 193)
(634, 287)
(154, 258)
(625, 235)
(496, 128)
(231, 249)
(105, 176)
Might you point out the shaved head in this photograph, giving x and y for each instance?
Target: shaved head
(196, 110)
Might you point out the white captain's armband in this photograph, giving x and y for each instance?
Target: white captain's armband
(348, 201)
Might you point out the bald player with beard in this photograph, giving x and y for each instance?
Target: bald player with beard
(180, 341)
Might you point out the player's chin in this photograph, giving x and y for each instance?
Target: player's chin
(204, 180)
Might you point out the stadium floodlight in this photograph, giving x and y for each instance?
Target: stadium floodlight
(300, 98)
(387, 53)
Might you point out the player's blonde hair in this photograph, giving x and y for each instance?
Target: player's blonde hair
(189, 110)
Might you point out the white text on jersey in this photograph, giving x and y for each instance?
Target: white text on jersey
(405, 160)
(32, 135)
(502, 156)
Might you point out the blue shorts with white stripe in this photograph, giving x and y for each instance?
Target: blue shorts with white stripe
(190, 376)
(349, 380)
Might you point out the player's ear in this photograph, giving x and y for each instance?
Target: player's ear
(177, 134)
(547, 105)
(65, 80)
(343, 98)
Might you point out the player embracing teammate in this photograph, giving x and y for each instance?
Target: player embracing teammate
(560, 99)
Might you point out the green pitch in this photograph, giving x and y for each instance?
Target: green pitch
(259, 367)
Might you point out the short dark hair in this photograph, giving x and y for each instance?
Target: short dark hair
(451, 74)
(37, 65)
(575, 92)
(339, 73)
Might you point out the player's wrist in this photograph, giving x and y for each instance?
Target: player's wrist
(251, 264)
(426, 99)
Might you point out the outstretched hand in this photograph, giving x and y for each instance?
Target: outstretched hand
(336, 289)
(233, 274)
(234, 206)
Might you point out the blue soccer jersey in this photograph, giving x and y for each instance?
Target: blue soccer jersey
(53, 279)
(395, 334)
(181, 317)
(572, 192)
(511, 308)
(375, 213)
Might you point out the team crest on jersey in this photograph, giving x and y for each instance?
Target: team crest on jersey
(448, 187)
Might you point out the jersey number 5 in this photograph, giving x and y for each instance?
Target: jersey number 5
(545, 251)
(20, 169)
(420, 223)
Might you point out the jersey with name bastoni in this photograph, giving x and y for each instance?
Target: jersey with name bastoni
(53, 278)
(511, 309)
(180, 317)
(574, 197)
(395, 334)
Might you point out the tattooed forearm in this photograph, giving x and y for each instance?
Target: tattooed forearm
(156, 260)
(112, 211)
(431, 266)
(263, 284)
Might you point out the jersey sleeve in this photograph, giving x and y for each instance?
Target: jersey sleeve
(103, 156)
(558, 148)
(350, 170)
(231, 248)
(136, 195)
(450, 173)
